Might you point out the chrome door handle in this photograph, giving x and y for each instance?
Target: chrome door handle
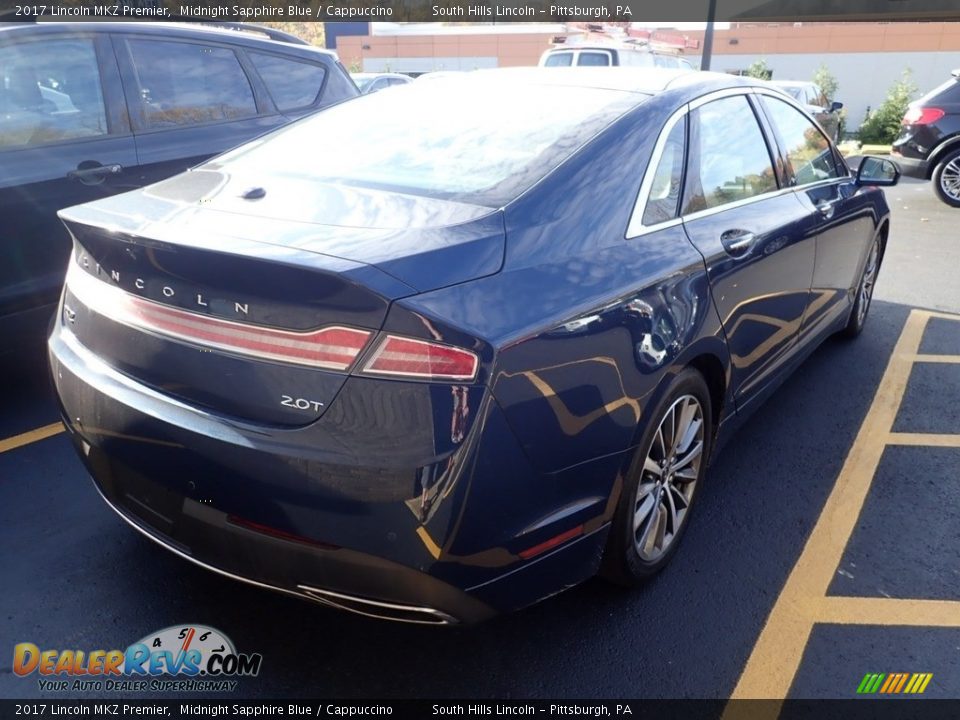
(827, 207)
(737, 242)
(95, 174)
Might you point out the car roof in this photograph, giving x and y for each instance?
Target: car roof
(630, 47)
(243, 34)
(648, 81)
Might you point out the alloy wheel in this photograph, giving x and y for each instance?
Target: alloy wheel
(668, 478)
(950, 178)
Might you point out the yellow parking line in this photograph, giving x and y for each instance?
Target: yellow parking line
(924, 439)
(887, 611)
(775, 658)
(12, 443)
(937, 358)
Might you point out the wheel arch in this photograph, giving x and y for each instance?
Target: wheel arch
(883, 232)
(946, 147)
(714, 373)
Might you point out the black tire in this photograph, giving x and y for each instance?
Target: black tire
(868, 278)
(624, 562)
(946, 179)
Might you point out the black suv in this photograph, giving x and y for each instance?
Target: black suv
(93, 109)
(929, 142)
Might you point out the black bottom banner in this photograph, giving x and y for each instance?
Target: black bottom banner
(860, 709)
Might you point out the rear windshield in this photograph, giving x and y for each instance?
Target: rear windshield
(947, 92)
(476, 141)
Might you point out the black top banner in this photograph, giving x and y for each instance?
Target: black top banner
(481, 10)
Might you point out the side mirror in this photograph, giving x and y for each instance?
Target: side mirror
(836, 106)
(877, 172)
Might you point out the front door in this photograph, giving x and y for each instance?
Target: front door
(844, 217)
(757, 240)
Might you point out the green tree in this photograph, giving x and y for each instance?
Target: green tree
(758, 69)
(882, 126)
(827, 82)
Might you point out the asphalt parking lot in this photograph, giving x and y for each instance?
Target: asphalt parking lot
(825, 546)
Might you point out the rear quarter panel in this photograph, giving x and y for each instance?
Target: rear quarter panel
(586, 325)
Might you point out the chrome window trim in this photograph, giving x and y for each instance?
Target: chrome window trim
(636, 228)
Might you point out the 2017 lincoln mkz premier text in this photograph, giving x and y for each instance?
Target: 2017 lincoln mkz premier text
(445, 350)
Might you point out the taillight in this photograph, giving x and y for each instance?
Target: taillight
(334, 348)
(405, 357)
(922, 116)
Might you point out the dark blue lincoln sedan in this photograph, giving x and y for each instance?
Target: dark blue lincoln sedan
(445, 350)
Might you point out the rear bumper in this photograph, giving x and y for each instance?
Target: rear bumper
(912, 167)
(332, 576)
(256, 510)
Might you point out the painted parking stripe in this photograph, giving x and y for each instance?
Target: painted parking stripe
(12, 443)
(949, 359)
(803, 601)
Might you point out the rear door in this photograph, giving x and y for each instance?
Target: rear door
(64, 139)
(843, 218)
(189, 100)
(757, 240)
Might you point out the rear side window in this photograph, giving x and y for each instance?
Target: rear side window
(729, 159)
(50, 92)
(593, 59)
(667, 178)
(808, 152)
(560, 59)
(291, 84)
(189, 83)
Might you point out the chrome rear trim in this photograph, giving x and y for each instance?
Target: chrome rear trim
(417, 615)
(360, 606)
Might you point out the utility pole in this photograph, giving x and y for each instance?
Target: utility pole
(707, 55)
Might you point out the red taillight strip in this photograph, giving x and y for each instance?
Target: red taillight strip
(922, 116)
(405, 357)
(330, 347)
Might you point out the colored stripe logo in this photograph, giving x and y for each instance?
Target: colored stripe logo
(894, 683)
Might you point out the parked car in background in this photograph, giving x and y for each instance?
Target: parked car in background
(815, 102)
(92, 109)
(928, 146)
(372, 82)
(438, 74)
(465, 356)
(611, 55)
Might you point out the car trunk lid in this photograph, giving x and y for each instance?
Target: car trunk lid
(195, 301)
